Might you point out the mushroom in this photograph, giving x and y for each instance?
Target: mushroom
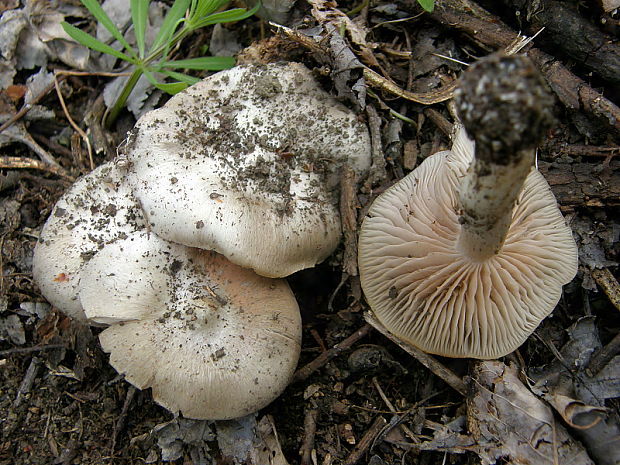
(465, 256)
(247, 163)
(213, 340)
(97, 210)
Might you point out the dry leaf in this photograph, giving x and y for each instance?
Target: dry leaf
(510, 423)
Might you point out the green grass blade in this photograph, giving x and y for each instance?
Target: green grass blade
(206, 7)
(95, 9)
(171, 88)
(168, 87)
(203, 63)
(236, 14)
(428, 5)
(174, 15)
(90, 42)
(139, 16)
(189, 80)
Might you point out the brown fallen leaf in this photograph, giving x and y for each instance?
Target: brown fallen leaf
(510, 423)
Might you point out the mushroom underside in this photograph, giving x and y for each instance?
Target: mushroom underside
(430, 294)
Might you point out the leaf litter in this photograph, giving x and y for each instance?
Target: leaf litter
(507, 416)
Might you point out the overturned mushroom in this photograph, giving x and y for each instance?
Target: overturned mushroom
(97, 210)
(213, 340)
(465, 256)
(246, 163)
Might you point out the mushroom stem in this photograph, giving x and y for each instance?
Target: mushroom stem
(487, 195)
(505, 107)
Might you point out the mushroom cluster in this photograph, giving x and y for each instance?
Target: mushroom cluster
(175, 245)
(468, 253)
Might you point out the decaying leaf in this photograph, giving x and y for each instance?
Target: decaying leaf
(31, 36)
(37, 84)
(181, 435)
(510, 423)
(579, 395)
(267, 450)
(325, 12)
(17, 132)
(12, 329)
(242, 441)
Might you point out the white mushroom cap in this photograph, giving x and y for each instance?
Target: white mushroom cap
(97, 210)
(213, 340)
(247, 163)
(429, 292)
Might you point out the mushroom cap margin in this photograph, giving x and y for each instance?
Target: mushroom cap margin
(98, 209)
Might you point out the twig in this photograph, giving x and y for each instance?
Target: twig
(375, 79)
(317, 337)
(378, 172)
(120, 422)
(399, 418)
(304, 372)
(73, 124)
(603, 356)
(60, 73)
(366, 441)
(425, 98)
(589, 150)
(29, 350)
(28, 381)
(55, 146)
(309, 432)
(19, 162)
(348, 213)
(26, 107)
(490, 31)
(428, 361)
(439, 120)
(609, 284)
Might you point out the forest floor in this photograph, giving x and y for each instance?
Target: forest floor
(60, 401)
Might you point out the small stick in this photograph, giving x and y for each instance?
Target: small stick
(424, 98)
(304, 372)
(425, 359)
(309, 432)
(399, 418)
(73, 124)
(26, 107)
(589, 150)
(19, 162)
(609, 284)
(120, 422)
(366, 441)
(378, 173)
(439, 120)
(375, 79)
(603, 356)
(55, 146)
(62, 75)
(28, 350)
(317, 337)
(28, 381)
(348, 213)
